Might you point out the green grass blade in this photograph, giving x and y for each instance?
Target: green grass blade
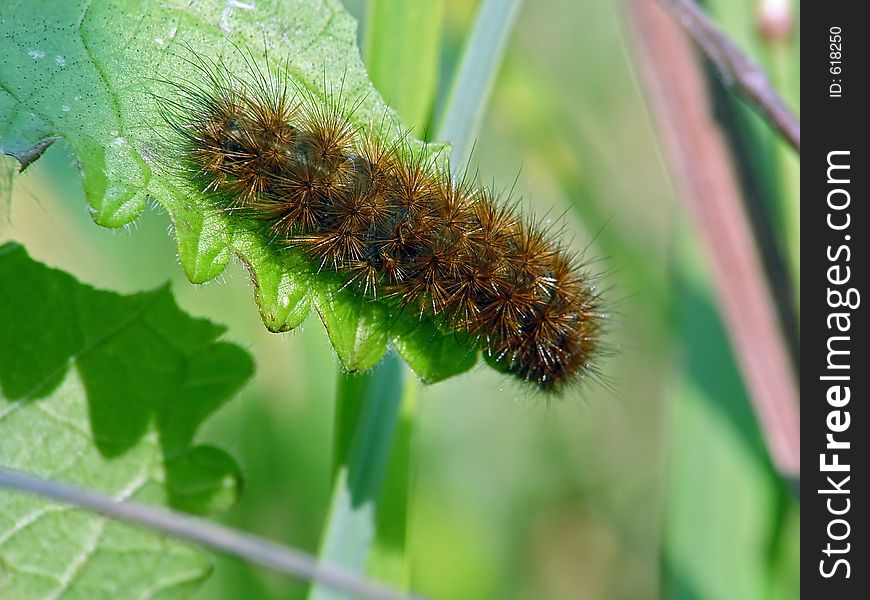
(366, 415)
(389, 561)
(475, 76)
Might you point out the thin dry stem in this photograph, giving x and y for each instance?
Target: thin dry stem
(218, 537)
(736, 69)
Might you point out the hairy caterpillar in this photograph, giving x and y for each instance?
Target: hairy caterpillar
(394, 222)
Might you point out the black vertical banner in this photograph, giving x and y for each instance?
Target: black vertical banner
(835, 62)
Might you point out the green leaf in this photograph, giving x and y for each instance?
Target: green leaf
(107, 392)
(402, 49)
(86, 72)
(433, 355)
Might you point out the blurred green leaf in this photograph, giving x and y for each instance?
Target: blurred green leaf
(787, 555)
(402, 48)
(107, 392)
(726, 503)
(86, 72)
(547, 125)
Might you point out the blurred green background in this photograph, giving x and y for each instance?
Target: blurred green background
(656, 487)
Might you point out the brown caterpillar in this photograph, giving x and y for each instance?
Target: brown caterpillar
(393, 222)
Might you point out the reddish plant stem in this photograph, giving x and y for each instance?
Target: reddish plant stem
(704, 175)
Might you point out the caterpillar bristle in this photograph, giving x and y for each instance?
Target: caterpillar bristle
(361, 202)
